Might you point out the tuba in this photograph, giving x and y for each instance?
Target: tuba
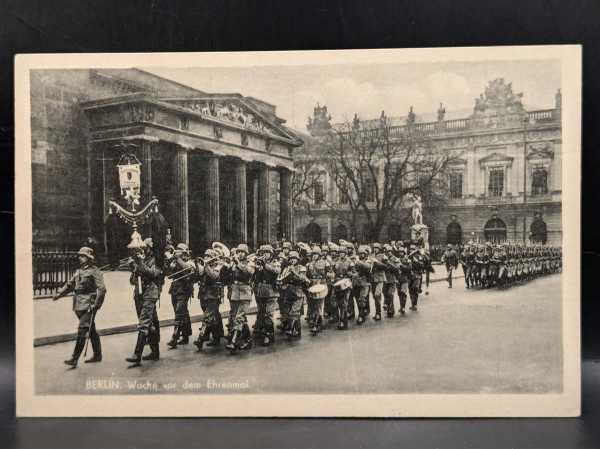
(222, 249)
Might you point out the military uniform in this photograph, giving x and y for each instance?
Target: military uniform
(391, 279)
(342, 268)
(87, 285)
(317, 272)
(378, 278)
(239, 276)
(450, 259)
(363, 269)
(147, 280)
(294, 295)
(181, 291)
(266, 294)
(210, 294)
(416, 277)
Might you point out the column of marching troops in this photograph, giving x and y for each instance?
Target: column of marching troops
(334, 282)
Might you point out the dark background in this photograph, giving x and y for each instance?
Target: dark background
(54, 26)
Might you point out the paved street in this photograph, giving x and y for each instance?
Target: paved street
(56, 317)
(460, 341)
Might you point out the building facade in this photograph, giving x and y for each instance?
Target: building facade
(219, 164)
(503, 184)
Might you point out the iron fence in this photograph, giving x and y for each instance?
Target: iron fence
(51, 269)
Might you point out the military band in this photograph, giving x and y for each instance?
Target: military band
(332, 280)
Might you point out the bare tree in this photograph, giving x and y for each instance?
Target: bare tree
(375, 168)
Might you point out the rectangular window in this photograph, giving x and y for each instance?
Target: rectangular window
(369, 189)
(456, 182)
(539, 181)
(496, 182)
(318, 192)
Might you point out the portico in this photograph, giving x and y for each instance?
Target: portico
(212, 162)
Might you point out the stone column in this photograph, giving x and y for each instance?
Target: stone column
(180, 227)
(240, 196)
(264, 205)
(285, 203)
(213, 219)
(146, 178)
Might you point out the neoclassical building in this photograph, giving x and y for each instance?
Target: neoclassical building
(219, 164)
(505, 183)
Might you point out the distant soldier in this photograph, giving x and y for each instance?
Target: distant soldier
(210, 293)
(450, 259)
(404, 277)
(87, 285)
(147, 279)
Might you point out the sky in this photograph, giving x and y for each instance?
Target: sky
(368, 89)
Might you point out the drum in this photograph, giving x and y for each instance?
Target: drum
(318, 291)
(343, 284)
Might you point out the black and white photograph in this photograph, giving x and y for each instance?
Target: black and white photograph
(343, 233)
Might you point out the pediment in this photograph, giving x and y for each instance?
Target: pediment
(232, 111)
(496, 158)
(541, 153)
(457, 162)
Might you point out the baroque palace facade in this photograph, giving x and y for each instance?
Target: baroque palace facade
(505, 184)
(219, 164)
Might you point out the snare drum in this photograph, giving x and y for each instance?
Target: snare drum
(343, 284)
(318, 291)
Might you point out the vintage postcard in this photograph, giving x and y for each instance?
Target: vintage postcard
(320, 233)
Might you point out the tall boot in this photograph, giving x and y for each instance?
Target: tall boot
(402, 302)
(96, 347)
(246, 338)
(377, 316)
(172, 343)
(154, 348)
(217, 331)
(202, 336)
(232, 345)
(186, 332)
(136, 358)
(79, 344)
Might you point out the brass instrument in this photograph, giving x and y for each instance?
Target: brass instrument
(287, 271)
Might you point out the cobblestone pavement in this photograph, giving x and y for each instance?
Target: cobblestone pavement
(459, 341)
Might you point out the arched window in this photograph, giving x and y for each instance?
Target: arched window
(538, 230)
(312, 233)
(394, 232)
(341, 232)
(454, 233)
(495, 230)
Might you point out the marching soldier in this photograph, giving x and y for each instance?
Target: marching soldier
(87, 284)
(296, 282)
(182, 288)
(317, 272)
(404, 277)
(266, 294)
(240, 273)
(450, 259)
(377, 278)
(363, 267)
(210, 294)
(416, 279)
(147, 279)
(342, 268)
(391, 279)
(467, 260)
